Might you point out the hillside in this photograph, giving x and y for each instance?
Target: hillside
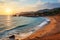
(45, 12)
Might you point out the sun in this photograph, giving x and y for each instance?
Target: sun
(8, 11)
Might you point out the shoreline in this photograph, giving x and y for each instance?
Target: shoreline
(46, 32)
(49, 30)
(13, 31)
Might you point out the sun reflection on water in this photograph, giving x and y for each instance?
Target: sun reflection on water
(8, 22)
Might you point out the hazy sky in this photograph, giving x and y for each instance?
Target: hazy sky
(23, 5)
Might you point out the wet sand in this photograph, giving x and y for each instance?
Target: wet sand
(50, 32)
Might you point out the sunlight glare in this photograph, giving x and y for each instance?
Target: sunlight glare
(8, 11)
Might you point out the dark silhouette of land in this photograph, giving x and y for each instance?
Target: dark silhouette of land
(45, 12)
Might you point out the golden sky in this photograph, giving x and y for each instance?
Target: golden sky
(9, 7)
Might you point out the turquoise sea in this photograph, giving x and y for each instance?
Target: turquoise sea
(14, 25)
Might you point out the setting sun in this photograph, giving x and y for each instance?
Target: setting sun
(8, 11)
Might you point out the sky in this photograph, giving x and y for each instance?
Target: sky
(16, 6)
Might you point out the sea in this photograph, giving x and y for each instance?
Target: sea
(10, 25)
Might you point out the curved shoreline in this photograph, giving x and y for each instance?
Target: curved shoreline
(44, 22)
(47, 31)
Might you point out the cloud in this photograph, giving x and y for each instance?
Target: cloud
(34, 7)
(29, 7)
(58, 1)
(38, 5)
(25, 5)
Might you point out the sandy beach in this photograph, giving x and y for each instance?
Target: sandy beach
(50, 32)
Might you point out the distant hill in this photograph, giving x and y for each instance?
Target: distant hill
(45, 12)
(52, 5)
